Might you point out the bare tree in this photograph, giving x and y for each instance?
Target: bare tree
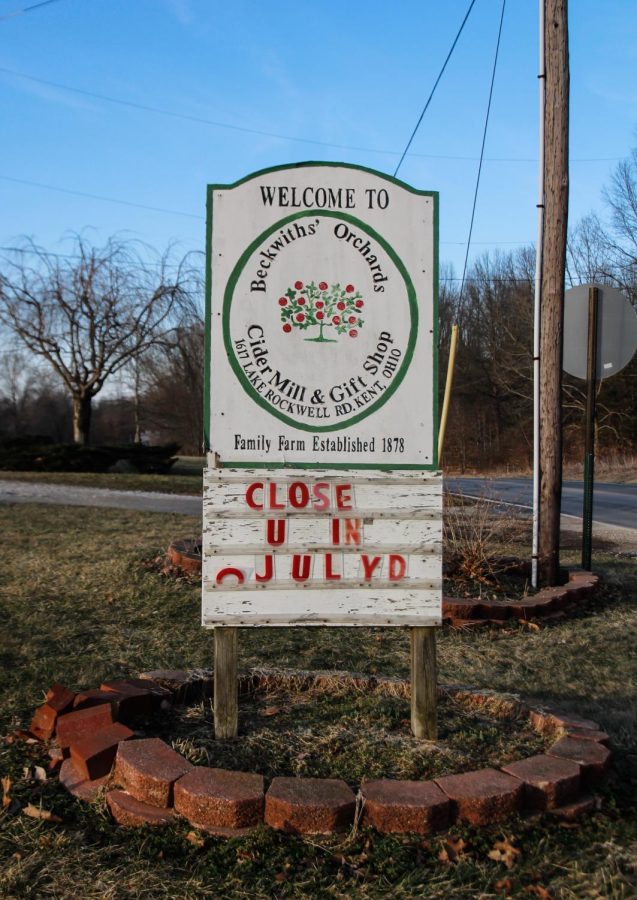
(90, 313)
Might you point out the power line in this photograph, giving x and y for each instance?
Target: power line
(484, 139)
(284, 137)
(433, 90)
(52, 187)
(26, 9)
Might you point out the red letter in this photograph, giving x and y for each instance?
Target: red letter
(230, 571)
(369, 566)
(298, 495)
(352, 531)
(321, 491)
(397, 566)
(298, 573)
(269, 569)
(250, 495)
(274, 538)
(329, 574)
(272, 495)
(336, 532)
(343, 499)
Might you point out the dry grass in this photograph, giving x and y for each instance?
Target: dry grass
(77, 606)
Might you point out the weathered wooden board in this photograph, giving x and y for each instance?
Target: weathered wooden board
(320, 548)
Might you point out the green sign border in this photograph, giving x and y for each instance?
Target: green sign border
(433, 466)
(227, 303)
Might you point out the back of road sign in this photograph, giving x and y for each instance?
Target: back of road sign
(616, 329)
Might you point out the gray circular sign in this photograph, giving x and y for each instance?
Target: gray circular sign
(616, 331)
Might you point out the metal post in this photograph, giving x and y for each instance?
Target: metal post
(589, 426)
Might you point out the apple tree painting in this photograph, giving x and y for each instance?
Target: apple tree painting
(311, 305)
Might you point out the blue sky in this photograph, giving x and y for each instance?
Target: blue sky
(354, 74)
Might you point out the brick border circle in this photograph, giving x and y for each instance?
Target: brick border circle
(149, 783)
(548, 604)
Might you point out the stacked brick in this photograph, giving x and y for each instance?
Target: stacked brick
(547, 604)
(148, 783)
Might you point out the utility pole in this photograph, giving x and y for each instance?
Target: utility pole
(552, 284)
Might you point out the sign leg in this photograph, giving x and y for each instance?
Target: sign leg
(226, 703)
(424, 712)
(589, 428)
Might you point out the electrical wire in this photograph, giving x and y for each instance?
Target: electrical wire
(484, 138)
(26, 9)
(144, 107)
(52, 187)
(433, 90)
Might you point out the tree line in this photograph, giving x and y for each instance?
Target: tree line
(120, 314)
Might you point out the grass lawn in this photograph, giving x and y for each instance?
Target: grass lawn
(78, 606)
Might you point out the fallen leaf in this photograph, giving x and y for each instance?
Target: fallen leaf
(280, 876)
(194, 839)
(39, 773)
(271, 711)
(6, 787)
(35, 812)
(533, 626)
(451, 850)
(538, 891)
(505, 852)
(504, 886)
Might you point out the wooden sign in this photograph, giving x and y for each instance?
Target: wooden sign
(318, 548)
(322, 320)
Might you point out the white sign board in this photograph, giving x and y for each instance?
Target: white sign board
(321, 548)
(323, 506)
(322, 304)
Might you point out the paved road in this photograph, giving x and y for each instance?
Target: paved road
(70, 495)
(613, 504)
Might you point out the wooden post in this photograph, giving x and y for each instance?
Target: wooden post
(226, 704)
(448, 385)
(424, 682)
(553, 272)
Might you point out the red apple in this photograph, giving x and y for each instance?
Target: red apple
(340, 304)
(300, 317)
(323, 286)
(349, 288)
(320, 315)
(352, 320)
(298, 285)
(300, 300)
(336, 320)
(282, 301)
(359, 304)
(287, 327)
(353, 332)
(319, 304)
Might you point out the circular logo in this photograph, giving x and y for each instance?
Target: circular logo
(320, 320)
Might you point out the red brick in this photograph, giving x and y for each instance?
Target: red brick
(566, 721)
(217, 799)
(74, 726)
(43, 723)
(128, 811)
(58, 700)
(94, 756)
(548, 781)
(400, 806)
(132, 701)
(592, 757)
(76, 784)
(309, 805)
(482, 797)
(148, 769)
(95, 697)
(588, 734)
(573, 811)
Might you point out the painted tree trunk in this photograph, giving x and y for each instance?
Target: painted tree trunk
(81, 419)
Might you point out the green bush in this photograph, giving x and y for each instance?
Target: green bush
(40, 454)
